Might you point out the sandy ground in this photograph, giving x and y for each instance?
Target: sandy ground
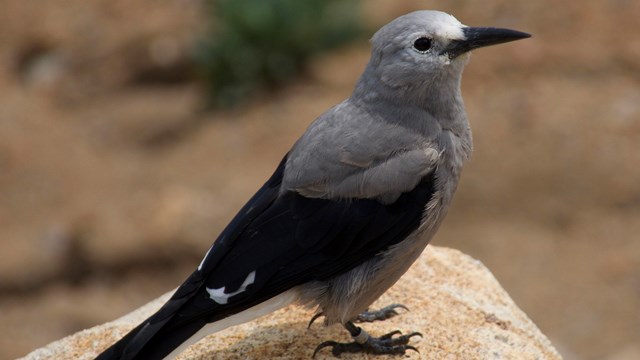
(113, 181)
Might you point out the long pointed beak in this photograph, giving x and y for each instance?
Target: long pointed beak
(477, 37)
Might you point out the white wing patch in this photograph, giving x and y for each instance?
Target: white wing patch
(219, 295)
(204, 259)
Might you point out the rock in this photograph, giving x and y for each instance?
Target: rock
(455, 302)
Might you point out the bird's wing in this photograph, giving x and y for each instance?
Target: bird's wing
(373, 196)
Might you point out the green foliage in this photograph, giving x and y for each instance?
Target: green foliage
(255, 45)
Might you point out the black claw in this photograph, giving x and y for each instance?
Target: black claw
(400, 340)
(390, 335)
(409, 347)
(314, 318)
(322, 346)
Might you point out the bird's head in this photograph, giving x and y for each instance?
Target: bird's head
(427, 45)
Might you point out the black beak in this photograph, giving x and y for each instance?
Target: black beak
(477, 37)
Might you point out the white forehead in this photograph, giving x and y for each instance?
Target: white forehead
(428, 22)
(442, 24)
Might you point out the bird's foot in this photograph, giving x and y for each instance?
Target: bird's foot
(385, 313)
(387, 344)
(382, 314)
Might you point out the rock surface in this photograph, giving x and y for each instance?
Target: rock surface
(455, 302)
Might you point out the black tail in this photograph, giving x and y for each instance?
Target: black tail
(161, 333)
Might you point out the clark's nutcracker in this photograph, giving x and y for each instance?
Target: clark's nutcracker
(350, 207)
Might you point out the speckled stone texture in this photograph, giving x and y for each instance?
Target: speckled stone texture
(455, 302)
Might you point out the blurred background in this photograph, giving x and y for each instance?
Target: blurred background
(132, 131)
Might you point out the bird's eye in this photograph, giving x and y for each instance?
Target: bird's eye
(422, 44)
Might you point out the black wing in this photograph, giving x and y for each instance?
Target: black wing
(287, 239)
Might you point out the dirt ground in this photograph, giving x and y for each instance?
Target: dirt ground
(114, 181)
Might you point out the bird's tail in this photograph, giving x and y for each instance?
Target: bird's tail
(172, 329)
(161, 333)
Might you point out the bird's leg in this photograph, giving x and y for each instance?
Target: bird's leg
(382, 314)
(387, 344)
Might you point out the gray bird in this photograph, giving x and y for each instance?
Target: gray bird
(350, 207)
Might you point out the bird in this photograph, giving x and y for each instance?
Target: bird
(349, 208)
